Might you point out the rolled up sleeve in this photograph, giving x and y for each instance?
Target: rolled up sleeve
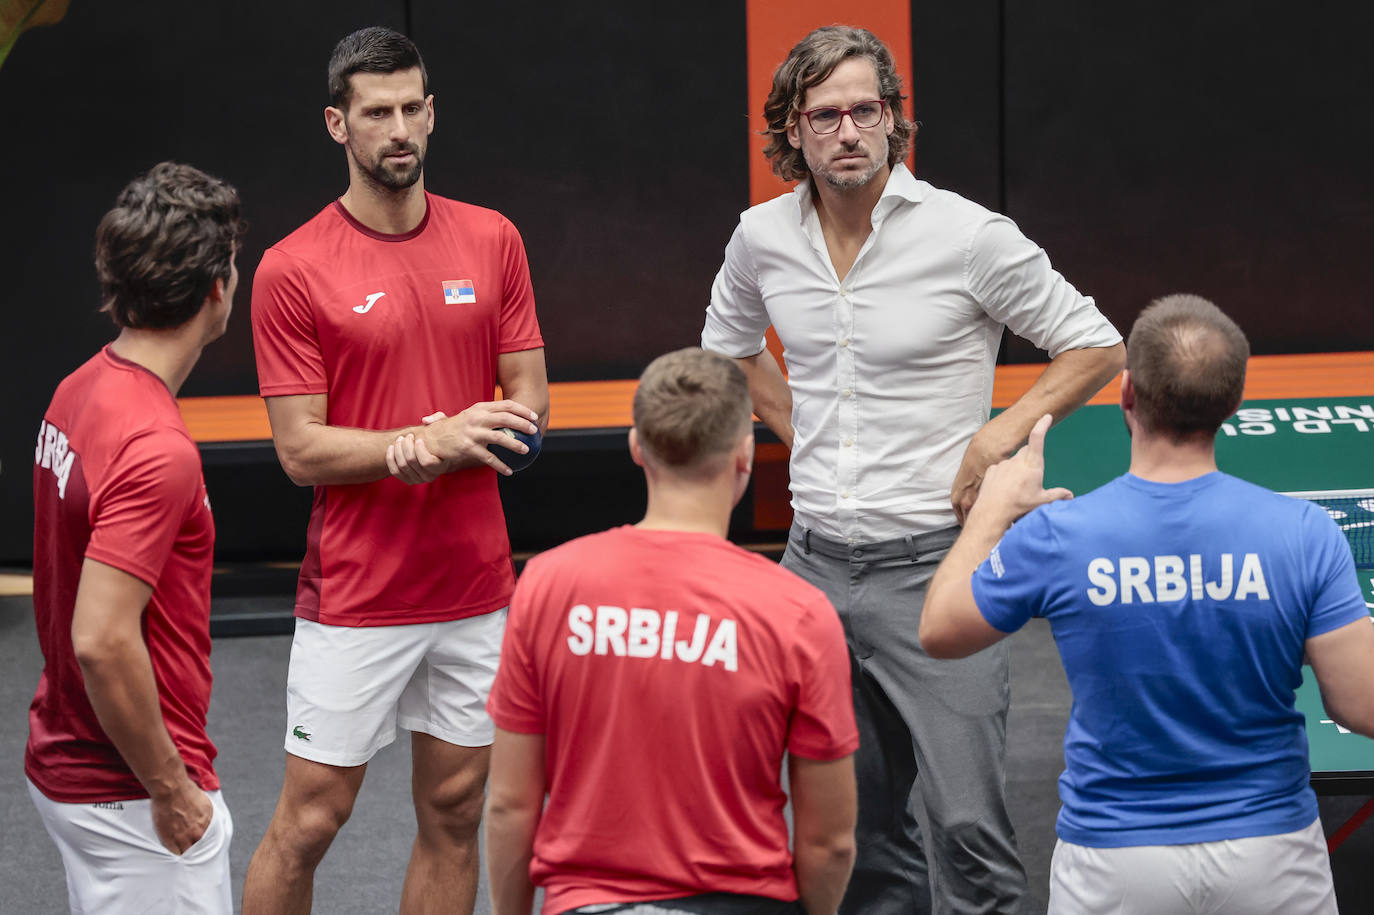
(1011, 278)
(736, 319)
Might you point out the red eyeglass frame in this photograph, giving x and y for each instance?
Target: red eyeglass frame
(882, 109)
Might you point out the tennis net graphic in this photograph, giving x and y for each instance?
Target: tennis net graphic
(1353, 510)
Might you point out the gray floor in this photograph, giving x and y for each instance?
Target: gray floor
(362, 872)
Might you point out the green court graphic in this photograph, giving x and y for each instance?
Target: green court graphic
(1285, 445)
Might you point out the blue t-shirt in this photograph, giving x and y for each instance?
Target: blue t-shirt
(1180, 611)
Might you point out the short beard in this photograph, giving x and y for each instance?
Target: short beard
(847, 181)
(379, 177)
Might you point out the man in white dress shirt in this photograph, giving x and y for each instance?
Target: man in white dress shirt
(890, 297)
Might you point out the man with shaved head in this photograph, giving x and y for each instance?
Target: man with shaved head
(1184, 602)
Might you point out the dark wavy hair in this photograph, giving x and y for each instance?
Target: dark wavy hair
(1187, 362)
(375, 49)
(812, 61)
(158, 252)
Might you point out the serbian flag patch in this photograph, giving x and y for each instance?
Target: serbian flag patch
(459, 292)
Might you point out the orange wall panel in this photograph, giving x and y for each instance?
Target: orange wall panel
(774, 27)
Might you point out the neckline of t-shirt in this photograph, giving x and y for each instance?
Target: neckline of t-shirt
(127, 364)
(382, 236)
(1207, 479)
(656, 532)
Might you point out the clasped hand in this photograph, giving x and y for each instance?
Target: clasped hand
(447, 443)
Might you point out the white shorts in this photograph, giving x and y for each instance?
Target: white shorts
(350, 686)
(1283, 874)
(116, 864)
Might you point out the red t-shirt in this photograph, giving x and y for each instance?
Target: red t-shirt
(117, 478)
(393, 328)
(668, 673)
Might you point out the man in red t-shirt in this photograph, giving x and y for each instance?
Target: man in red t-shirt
(118, 761)
(651, 679)
(382, 327)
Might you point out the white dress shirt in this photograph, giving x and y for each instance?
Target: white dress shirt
(890, 369)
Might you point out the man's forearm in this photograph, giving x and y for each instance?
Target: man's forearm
(1067, 383)
(107, 640)
(981, 533)
(822, 875)
(515, 802)
(314, 453)
(951, 625)
(536, 397)
(772, 398)
(118, 674)
(323, 455)
(510, 845)
(824, 811)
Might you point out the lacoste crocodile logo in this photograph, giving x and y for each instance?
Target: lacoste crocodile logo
(300, 733)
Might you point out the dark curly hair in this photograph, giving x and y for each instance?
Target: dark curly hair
(375, 49)
(812, 61)
(171, 234)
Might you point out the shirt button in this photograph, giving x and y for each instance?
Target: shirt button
(844, 494)
(858, 554)
(847, 392)
(844, 290)
(844, 342)
(849, 443)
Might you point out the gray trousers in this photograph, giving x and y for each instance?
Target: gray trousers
(943, 720)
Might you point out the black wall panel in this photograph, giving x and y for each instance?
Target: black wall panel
(614, 135)
(956, 94)
(1222, 148)
(236, 89)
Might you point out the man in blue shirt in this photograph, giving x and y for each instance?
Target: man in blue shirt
(1183, 601)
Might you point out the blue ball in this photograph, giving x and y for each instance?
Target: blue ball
(514, 459)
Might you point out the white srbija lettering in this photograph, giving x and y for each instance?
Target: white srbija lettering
(644, 633)
(55, 454)
(1151, 579)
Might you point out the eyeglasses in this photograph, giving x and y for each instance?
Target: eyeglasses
(863, 114)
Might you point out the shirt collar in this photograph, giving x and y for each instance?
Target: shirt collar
(901, 186)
